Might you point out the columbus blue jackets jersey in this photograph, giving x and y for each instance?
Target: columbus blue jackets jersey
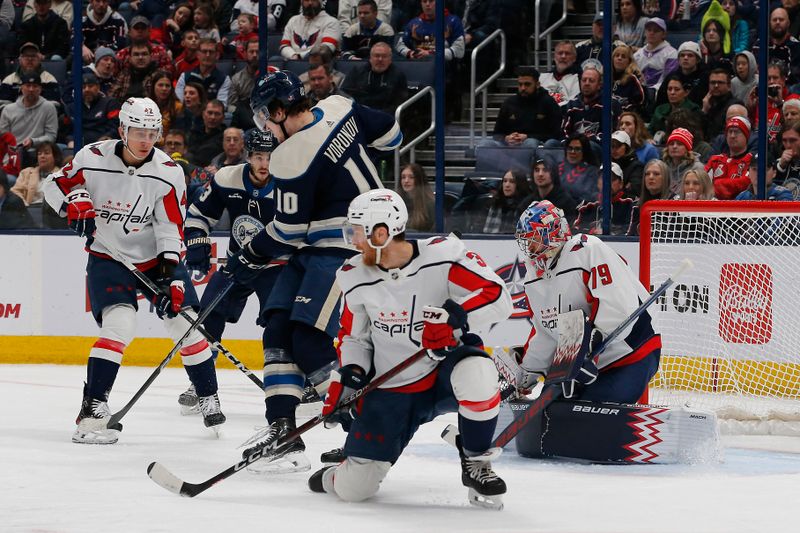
(319, 170)
(250, 208)
(381, 310)
(140, 209)
(590, 276)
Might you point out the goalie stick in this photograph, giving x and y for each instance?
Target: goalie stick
(166, 479)
(567, 365)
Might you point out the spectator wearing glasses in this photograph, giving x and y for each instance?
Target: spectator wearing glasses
(578, 171)
(216, 83)
(30, 60)
(378, 84)
(730, 172)
(717, 102)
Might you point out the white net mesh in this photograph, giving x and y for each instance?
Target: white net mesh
(731, 341)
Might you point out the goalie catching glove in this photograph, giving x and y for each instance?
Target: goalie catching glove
(80, 213)
(350, 379)
(169, 300)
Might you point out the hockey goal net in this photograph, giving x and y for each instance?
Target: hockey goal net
(731, 325)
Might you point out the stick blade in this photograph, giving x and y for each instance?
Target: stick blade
(165, 478)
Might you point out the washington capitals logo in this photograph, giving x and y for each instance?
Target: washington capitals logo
(513, 275)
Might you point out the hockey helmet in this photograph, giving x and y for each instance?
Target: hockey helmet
(140, 113)
(259, 141)
(545, 225)
(282, 86)
(378, 206)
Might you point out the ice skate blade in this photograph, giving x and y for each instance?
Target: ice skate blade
(216, 431)
(288, 464)
(106, 436)
(189, 410)
(487, 502)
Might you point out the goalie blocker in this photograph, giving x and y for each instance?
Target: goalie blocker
(616, 433)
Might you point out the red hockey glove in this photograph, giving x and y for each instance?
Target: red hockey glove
(439, 323)
(169, 300)
(350, 379)
(80, 213)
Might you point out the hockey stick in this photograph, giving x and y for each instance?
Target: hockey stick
(566, 368)
(155, 290)
(166, 479)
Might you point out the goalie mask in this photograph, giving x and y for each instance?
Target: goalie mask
(541, 231)
(371, 209)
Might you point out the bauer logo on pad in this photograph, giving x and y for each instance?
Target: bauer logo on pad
(745, 303)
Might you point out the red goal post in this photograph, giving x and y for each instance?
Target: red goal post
(729, 326)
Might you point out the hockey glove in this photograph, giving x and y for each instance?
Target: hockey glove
(586, 376)
(350, 379)
(245, 266)
(439, 323)
(169, 300)
(198, 251)
(80, 213)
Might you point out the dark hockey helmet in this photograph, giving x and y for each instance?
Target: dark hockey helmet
(259, 141)
(282, 86)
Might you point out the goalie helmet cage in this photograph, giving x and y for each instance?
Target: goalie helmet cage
(729, 326)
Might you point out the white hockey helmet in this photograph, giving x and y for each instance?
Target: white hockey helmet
(375, 207)
(140, 113)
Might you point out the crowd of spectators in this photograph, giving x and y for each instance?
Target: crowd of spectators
(684, 113)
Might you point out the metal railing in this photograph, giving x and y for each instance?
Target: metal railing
(483, 87)
(537, 36)
(410, 147)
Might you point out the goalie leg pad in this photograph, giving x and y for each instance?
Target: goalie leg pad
(356, 479)
(621, 433)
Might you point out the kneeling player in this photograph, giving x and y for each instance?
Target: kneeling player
(140, 194)
(385, 291)
(580, 272)
(246, 191)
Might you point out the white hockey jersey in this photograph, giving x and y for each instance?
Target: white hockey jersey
(140, 210)
(587, 275)
(381, 313)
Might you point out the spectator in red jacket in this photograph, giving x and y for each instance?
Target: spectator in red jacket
(730, 172)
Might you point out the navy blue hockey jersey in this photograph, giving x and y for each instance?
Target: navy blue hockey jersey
(319, 170)
(250, 208)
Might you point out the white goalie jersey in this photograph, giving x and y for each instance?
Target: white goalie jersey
(590, 276)
(140, 210)
(381, 315)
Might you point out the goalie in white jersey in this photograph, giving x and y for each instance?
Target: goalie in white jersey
(386, 317)
(566, 273)
(134, 197)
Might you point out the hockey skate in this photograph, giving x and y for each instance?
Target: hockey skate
(310, 404)
(92, 424)
(486, 488)
(319, 479)
(212, 414)
(189, 402)
(291, 459)
(335, 455)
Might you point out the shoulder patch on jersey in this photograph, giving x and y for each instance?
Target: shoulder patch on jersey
(95, 150)
(437, 240)
(170, 163)
(347, 266)
(580, 244)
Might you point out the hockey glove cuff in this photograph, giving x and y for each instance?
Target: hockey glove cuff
(198, 251)
(169, 300)
(80, 213)
(350, 379)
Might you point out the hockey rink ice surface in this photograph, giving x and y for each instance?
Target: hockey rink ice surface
(51, 484)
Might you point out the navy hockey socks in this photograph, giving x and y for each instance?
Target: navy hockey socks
(100, 376)
(203, 377)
